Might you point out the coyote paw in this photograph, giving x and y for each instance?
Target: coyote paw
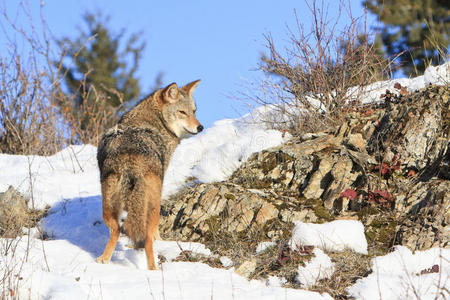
(102, 260)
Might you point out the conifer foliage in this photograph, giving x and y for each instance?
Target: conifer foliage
(418, 30)
(99, 73)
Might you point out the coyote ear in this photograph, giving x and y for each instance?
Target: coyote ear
(190, 87)
(171, 93)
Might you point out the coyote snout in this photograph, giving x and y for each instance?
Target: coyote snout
(133, 157)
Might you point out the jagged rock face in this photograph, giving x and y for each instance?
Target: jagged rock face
(427, 215)
(226, 207)
(416, 130)
(393, 159)
(316, 169)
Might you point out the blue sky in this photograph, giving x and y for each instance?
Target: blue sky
(219, 42)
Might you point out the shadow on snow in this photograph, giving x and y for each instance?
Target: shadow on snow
(79, 221)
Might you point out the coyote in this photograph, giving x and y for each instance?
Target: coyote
(133, 157)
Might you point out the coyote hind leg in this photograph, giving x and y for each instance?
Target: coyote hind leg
(153, 192)
(111, 218)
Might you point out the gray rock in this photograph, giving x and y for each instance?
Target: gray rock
(13, 212)
(246, 268)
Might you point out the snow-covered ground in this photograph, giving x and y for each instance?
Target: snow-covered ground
(49, 180)
(404, 275)
(63, 266)
(333, 236)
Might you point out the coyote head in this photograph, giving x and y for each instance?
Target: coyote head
(178, 109)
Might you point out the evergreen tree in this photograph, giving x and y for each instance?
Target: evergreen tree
(417, 30)
(99, 70)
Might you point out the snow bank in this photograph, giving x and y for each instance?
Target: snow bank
(70, 173)
(333, 236)
(404, 275)
(319, 267)
(439, 75)
(80, 222)
(216, 153)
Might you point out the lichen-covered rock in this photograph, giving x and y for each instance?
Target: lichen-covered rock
(356, 142)
(416, 129)
(313, 169)
(206, 207)
(387, 166)
(426, 218)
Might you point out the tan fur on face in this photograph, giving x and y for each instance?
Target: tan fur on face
(179, 110)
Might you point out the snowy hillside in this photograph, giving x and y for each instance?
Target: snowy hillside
(63, 266)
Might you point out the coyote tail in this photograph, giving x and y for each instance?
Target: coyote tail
(133, 198)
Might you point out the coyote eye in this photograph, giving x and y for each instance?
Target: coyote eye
(182, 112)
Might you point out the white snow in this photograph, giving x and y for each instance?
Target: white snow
(439, 75)
(65, 268)
(397, 275)
(333, 236)
(226, 261)
(70, 173)
(172, 249)
(213, 155)
(263, 246)
(275, 281)
(60, 270)
(319, 267)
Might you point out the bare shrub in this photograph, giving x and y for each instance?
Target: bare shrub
(28, 120)
(37, 114)
(349, 267)
(307, 84)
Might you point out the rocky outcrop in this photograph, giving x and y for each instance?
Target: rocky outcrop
(416, 130)
(13, 212)
(424, 210)
(386, 165)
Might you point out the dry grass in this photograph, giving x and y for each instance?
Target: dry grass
(349, 267)
(281, 261)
